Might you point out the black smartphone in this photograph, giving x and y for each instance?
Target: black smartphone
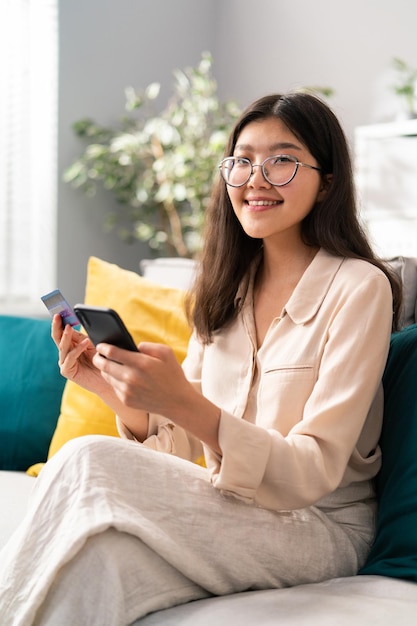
(56, 303)
(104, 325)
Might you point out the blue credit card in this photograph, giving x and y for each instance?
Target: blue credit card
(56, 303)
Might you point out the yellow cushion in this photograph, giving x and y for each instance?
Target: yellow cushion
(151, 312)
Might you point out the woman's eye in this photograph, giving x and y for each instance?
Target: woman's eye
(280, 159)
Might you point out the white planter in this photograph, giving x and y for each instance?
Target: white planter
(169, 271)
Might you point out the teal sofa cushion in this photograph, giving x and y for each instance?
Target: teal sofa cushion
(30, 391)
(394, 552)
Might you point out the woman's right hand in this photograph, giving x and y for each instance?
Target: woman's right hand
(76, 354)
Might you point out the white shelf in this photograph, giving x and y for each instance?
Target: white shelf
(386, 181)
(388, 129)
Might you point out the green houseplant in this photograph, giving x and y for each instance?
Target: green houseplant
(159, 166)
(405, 87)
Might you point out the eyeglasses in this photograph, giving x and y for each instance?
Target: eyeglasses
(278, 170)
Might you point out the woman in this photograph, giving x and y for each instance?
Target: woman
(281, 389)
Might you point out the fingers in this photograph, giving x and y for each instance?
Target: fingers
(118, 365)
(113, 353)
(143, 380)
(64, 345)
(56, 329)
(70, 347)
(68, 358)
(158, 351)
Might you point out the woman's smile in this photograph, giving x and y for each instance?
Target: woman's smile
(260, 204)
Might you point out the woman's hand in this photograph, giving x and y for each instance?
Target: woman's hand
(76, 354)
(150, 380)
(153, 381)
(76, 362)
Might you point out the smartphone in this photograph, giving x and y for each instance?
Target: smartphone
(104, 325)
(56, 303)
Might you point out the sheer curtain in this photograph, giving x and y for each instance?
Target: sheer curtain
(28, 130)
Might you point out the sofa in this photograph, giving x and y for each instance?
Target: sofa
(40, 411)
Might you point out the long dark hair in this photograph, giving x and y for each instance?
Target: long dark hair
(332, 224)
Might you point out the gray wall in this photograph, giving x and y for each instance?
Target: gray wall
(258, 47)
(106, 45)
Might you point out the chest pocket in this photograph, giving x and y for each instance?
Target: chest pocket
(283, 393)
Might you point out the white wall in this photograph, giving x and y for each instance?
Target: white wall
(280, 45)
(258, 47)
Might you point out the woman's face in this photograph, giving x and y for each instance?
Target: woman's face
(265, 211)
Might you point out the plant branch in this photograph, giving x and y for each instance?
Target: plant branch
(176, 234)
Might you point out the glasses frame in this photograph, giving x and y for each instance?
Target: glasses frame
(296, 162)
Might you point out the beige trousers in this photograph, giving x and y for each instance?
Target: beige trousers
(115, 531)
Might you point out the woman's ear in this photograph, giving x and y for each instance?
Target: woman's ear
(325, 184)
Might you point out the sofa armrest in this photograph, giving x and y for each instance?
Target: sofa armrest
(15, 489)
(406, 268)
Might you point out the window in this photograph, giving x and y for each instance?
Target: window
(28, 131)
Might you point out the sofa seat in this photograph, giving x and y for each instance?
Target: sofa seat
(353, 601)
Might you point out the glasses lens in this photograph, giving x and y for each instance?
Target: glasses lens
(236, 171)
(279, 169)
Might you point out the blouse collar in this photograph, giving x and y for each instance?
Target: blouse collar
(311, 290)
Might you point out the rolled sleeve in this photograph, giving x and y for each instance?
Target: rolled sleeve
(240, 469)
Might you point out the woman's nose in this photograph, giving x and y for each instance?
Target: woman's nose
(257, 177)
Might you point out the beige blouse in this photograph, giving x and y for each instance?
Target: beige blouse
(302, 415)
